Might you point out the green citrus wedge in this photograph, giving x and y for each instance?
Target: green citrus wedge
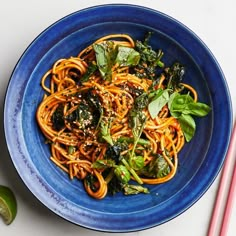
(8, 205)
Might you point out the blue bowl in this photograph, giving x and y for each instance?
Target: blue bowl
(199, 162)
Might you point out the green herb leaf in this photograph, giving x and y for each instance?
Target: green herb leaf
(141, 141)
(182, 107)
(188, 126)
(105, 131)
(157, 168)
(172, 97)
(163, 167)
(197, 109)
(137, 122)
(158, 102)
(103, 164)
(179, 103)
(91, 181)
(122, 174)
(185, 104)
(131, 170)
(127, 56)
(114, 185)
(134, 189)
(71, 149)
(137, 119)
(136, 162)
(105, 57)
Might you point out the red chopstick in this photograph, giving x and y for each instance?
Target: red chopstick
(222, 189)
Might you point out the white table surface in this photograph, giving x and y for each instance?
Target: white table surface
(21, 21)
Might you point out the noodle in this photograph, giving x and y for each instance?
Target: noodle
(76, 143)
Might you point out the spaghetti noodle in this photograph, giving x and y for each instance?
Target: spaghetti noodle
(95, 121)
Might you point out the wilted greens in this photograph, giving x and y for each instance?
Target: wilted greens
(119, 116)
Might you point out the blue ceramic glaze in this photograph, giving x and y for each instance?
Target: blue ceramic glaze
(200, 160)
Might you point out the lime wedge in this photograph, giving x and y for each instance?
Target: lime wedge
(8, 205)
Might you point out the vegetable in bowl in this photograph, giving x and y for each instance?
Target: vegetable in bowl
(116, 115)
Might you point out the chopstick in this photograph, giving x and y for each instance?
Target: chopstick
(229, 204)
(221, 191)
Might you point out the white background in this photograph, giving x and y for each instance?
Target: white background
(22, 20)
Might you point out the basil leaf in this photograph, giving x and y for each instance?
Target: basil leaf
(197, 109)
(172, 97)
(184, 104)
(188, 126)
(155, 94)
(127, 56)
(105, 56)
(158, 103)
(180, 102)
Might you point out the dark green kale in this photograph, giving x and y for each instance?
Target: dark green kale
(174, 76)
(150, 59)
(137, 118)
(114, 151)
(58, 118)
(88, 112)
(157, 168)
(115, 186)
(91, 181)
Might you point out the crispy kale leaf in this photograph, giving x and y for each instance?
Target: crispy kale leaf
(58, 118)
(150, 59)
(174, 76)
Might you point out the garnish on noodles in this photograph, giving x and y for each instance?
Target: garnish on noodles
(116, 116)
